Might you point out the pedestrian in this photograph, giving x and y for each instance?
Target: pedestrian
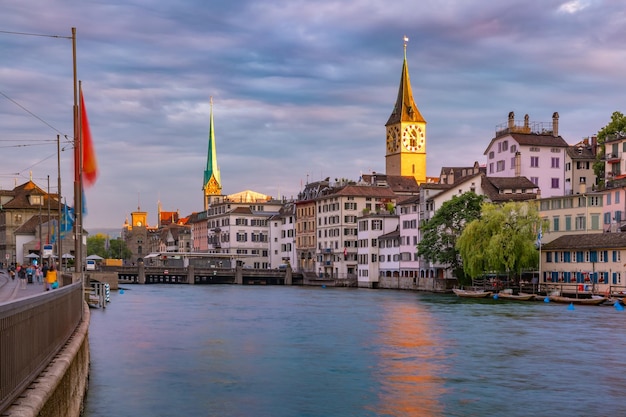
(51, 277)
(29, 273)
(39, 275)
(12, 272)
(44, 270)
(21, 273)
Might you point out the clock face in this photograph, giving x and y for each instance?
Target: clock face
(393, 139)
(139, 223)
(413, 138)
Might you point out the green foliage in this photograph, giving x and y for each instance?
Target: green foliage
(440, 233)
(96, 245)
(501, 240)
(616, 125)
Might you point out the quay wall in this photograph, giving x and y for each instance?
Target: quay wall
(414, 284)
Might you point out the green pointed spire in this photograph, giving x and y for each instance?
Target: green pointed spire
(211, 162)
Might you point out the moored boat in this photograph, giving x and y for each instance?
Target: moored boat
(472, 293)
(593, 300)
(505, 295)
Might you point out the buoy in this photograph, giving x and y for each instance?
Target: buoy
(546, 300)
(570, 306)
(495, 296)
(121, 290)
(323, 286)
(618, 306)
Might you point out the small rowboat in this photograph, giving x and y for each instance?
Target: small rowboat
(518, 297)
(472, 293)
(594, 300)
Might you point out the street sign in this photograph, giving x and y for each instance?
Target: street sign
(47, 251)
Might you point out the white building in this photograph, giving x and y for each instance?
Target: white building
(372, 259)
(535, 151)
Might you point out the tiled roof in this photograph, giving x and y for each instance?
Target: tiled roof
(364, 191)
(533, 139)
(588, 241)
(492, 186)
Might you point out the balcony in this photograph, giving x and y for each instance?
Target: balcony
(613, 158)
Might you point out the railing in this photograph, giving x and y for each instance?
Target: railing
(32, 331)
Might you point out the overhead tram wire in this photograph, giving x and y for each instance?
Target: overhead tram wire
(32, 114)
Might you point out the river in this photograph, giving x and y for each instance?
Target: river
(281, 351)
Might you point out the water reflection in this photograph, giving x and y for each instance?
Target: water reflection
(411, 362)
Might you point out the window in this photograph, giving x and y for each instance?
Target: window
(608, 199)
(534, 162)
(555, 183)
(500, 166)
(616, 197)
(535, 180)
(555, 224)
(555, 162)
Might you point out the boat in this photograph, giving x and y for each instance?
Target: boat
(472, 293)
(508, 295)
(593, 300)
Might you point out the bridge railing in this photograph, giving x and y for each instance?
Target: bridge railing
(32, 331)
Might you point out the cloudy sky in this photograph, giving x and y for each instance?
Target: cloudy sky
(301, 89)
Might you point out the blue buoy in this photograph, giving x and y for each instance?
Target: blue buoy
(570, 306)
(546, 300)
(495, 296)
(323, 286)
(618, 306)
(121, 290)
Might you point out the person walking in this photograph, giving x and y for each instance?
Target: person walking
(29, 273)
(21, 273)
(38, 275)
(51, 277)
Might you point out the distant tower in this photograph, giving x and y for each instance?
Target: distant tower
(212, 186)
(406, 133)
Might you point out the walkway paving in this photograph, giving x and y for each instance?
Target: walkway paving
(10, 288)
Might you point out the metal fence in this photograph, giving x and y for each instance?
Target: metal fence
(32, 332)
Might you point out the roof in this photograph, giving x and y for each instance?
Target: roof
(521, 188)
(533, 139)
(588, 241)
(581, 151)
(398, 183)
(405, 109)
(364, 191)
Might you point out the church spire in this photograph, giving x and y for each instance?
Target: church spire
(212, 185)
(405, 109)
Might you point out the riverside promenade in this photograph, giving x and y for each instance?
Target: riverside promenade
(10, 288)
(44, 360)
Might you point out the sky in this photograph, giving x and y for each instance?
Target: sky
(301, 89)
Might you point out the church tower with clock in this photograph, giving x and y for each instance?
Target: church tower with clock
(406, 133)
(212, 185)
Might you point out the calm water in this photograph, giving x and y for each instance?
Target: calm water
(255, 351)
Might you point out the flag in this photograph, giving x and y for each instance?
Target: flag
(53, 231)
(89, 163)
(539, 237)
(67, 220)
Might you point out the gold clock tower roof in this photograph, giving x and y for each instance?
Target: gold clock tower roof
(405, 109)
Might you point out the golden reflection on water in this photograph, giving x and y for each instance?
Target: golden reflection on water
(411, 363)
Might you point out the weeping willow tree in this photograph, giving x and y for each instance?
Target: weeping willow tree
(502, 240)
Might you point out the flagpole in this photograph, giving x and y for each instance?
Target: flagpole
(78, 242)
(58, 229)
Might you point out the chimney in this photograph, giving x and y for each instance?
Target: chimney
(555, 124)
(526, 124)
(511, 120)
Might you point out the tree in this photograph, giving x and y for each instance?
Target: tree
(440, 233)
(616, 126)
(502, 240)
(101, 245)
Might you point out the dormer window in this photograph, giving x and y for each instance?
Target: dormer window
(36, 200)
